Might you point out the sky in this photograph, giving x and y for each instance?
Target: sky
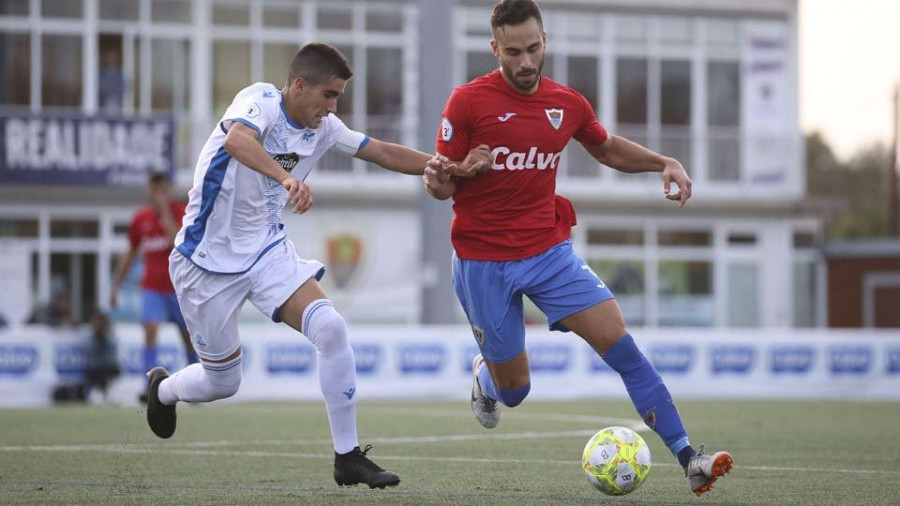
(849, 66)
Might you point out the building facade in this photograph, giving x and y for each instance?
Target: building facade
(711, 82)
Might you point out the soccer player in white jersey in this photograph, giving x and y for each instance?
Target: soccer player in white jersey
(231, 246)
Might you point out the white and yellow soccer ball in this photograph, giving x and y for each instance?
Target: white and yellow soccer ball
(616, 460)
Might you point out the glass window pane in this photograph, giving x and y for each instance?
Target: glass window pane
(631, 91)
(23, 227)
(231, 14)
(583, 76)
(631, 29)
(722, 33)
(676, 30)
(171, 11)
(171, 70)
(345, 102)
(61, 8)
(614, 237)
(685, 238)
(231, 72)
(119, 10)
(62, 228)
(724, 93)
(335, 18)
(276, 60)
(804, 294)
(724, 156)
(685, 294)
(804, 240)
(61, 67)
(111, 79)
(384, 98)
(479, 64)
(625, 278)
(742, 239)
(15, 51)
(278, 16)
(676, 92)
(384, 21)
(14, 7)
(743, 285)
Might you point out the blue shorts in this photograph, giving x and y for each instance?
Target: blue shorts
(158, 307)
(558, 281)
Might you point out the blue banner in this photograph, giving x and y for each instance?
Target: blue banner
(80, 150)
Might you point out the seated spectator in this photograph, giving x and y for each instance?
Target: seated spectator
(102, 356)
(57, 313)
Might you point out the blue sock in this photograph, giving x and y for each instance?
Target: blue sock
(150, 357)
(509, 398)
(649, 394)
(192, 356)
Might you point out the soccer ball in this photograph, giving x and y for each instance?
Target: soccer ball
(616, 460)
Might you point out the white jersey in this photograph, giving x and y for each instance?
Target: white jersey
(233, 216)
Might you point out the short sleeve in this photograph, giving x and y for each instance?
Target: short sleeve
(342, 139)
(134, 232)
(453, 134)
(591, 132)
(256, 106)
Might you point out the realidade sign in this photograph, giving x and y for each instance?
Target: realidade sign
(81, 150)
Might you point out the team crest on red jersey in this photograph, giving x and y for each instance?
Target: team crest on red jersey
(344, 256)
(555, 116)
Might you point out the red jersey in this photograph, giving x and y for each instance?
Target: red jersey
(512, 211)
(146, 231)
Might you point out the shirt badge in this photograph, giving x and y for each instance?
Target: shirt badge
(555, 116)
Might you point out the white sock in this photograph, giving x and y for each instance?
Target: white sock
(326, 329)
(203, 382)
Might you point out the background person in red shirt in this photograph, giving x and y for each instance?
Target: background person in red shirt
(511, 231)
(152, 231)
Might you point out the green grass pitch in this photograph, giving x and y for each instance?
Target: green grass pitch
(785, 452)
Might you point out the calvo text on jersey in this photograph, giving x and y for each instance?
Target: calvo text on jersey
(504, 159)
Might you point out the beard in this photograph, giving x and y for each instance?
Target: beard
(523, 80)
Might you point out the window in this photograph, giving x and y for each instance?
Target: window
(61, 67)
(15, 51)
(171, 74)
(334, 18)
(743, 287)
(631, 99)
(384, 21)
(281, 16)
(615, 237)
(804, 294)
(119, 10)
(231, 14)
(14, 7)
(171, 11)
(19, 228)
(583, 76)
(685, 294)
(675, 110)
(276, 60)
(231, 72)
(61, 8)
(625, 279)
(723, 117)
(384, 92)
(689, 238)
(479, 63)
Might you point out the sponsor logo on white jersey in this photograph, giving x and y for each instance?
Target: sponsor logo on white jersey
(504, 159)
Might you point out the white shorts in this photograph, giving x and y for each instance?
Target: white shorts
(211, 303)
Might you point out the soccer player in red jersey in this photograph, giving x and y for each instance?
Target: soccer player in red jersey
(152, 231)
(511, 231)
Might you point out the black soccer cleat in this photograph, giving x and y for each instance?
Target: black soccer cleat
(354, 467)
(160, 417)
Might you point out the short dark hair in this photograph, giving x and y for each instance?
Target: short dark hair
(318, 62)
(515, 12)
(158, 177)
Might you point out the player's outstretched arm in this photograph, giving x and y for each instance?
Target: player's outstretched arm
(626, 156)
(394, 157)
(242, 143)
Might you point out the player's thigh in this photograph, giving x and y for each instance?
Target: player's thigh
(278, 277)
(600, 325)
(493, 306)
(211, 304)
(565, 286)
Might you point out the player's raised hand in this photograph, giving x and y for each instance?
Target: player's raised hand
(675, 173)
(477, 161)
(299, 196)
(437, 172)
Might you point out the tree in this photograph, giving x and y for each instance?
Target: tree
(856, 190)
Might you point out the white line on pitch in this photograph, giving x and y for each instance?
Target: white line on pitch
(233, 453)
